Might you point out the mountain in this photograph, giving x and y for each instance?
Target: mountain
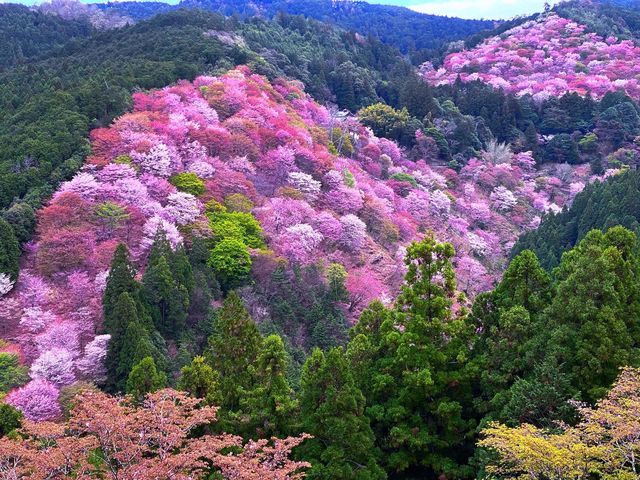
(547, 57)
(26, 34)
(403, 28)
(50, 103)
(281, 181)
(601, 206)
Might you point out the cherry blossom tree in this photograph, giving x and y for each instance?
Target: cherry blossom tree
(37, 400)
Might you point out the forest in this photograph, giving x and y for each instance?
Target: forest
(273, 240)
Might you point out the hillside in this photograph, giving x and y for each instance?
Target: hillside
(545, 58)
(600, 206)
(49, 105)
(403, 28)
(318, 187)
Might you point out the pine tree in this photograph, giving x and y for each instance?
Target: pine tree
(145, 378)
(233, 349)
(332, 410)
(269, 405)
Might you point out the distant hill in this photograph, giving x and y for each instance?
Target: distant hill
(403, 28)
(26, 34)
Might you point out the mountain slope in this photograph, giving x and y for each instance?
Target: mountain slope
(328, 196)
(546, 57)
(403, 28)
(48, 106)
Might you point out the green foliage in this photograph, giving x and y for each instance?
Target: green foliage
(200, 381)
(333, 411)
(348, 178)
(268, 407)
(412, 364)
(12, 373)
(233, 349)
(22, 219)
(236, 202)
(10, 419)
(145, 378)
(111, 215)
(404, 177)
(386, 121)
(121, 280)
(9, 251)
(230, 262)
(596, 305)
(188, 182)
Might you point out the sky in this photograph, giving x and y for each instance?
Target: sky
(492, 9)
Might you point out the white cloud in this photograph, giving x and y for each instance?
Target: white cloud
(493, 9)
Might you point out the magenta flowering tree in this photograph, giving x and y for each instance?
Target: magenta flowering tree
(37, 400)
(300, 242)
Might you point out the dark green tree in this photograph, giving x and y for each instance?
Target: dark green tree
(9, 251)
(269, 405)
(121, 280)
(166, 301)
(333, 411)
(145, 378)
(10, 419)
(419, 389)
(233, 349)
(595, 310)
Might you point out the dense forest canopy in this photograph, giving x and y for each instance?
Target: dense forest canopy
(252, 240)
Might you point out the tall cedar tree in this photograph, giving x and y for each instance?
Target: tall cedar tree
(9, 251)
(269, 405)
(418, 386)
(233, 349)
(167, 285)
(121, 280)
(333, 411)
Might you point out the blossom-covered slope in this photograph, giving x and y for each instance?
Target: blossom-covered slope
(546, 57)
(324, 189)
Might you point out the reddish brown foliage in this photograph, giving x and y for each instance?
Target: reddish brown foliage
(151, 441)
